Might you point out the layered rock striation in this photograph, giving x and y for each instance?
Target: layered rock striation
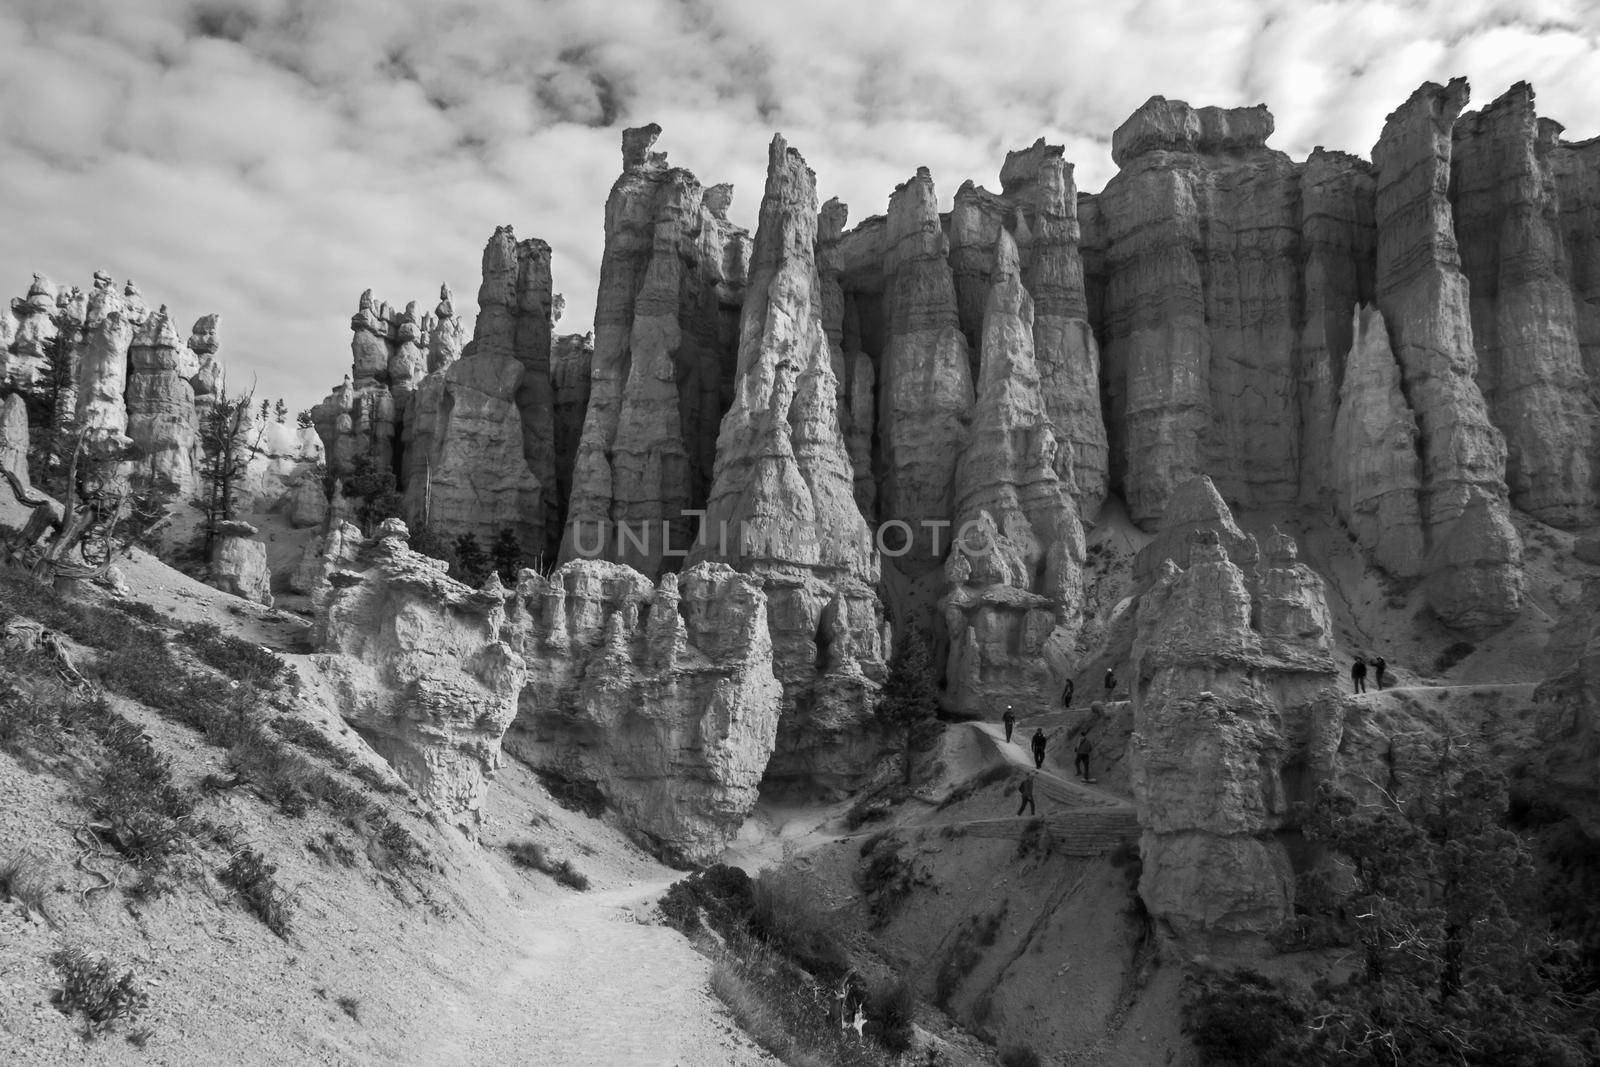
(419, 668)
(1474, 567)
(1015, 571)
(660, 698)
(1224, 679)
(671, 282)
(782, 505)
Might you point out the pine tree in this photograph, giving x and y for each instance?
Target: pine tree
(373, 487)
(910, 700)
(227, 447)
(506, 555)
(472, 566)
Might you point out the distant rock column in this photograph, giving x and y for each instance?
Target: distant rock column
(102, 413)
(1215, 703)
(1014, 577)
(662, 369)
(466, 467)
(925, 383)
(161, 413)
(571, 360)
(1524, 322)
(782, 505)
(1376, 470)
(33, 332)
(1339, 240)
(1474, 567)
(1039, 179)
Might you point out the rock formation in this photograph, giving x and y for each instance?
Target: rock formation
(1475, 559)
(1216, 699)
(571, 361)
(419, 669)
(1202, 255)
(1015, 570)
(239, 563)
(660, 698)
(464, 459)
(160, 404)
(102, 413)
(671, 279)
(1506, 207)
(925, 383)
(1038, 180)
(514, 324)
(782, 506)
(1376, 475)
(1565, 758)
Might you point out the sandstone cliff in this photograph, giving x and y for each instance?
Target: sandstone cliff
(782, 506)
(660, 698)
(1221, 680)
(671, 281)
(420, 670)
(1506, 207)
(1474, 571)
(1015, 582)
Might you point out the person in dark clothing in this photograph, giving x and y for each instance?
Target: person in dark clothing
(1010, 719)
(1038, 748)
(1066, 695)
(1378, 667)
(1111, 681)
(1080, 758)
(1026, 789)
(1358, 675)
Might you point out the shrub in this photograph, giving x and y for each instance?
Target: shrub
(892, 1007)
(1035, 839)
(982, 780)
(1241, 1020)
(532, 854)
(25, 879)
(249, 873)
(724, 894)
(788, 915)
(887, 880)
(350, 1006)
(974, 935)
(92, 987)
(1453, 655)
(1019, 1056)
(239, 659)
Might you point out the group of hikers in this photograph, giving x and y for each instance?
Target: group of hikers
(1080, 749)
(1358, 673)
(1083, 746)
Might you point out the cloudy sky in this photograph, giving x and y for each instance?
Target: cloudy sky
(269, 159)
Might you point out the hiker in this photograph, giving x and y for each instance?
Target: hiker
(1080, 759)
(1010, 719)
(1026, 789)
(1038, 747)
(1358, 675)
(1111, 681)
(1066, 695)
(1378, 667)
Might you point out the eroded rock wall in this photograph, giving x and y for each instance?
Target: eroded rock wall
(661, 698)
(1224, 678)
(782, 507)
(1474, 567)
(1015, 576)
(419, 668)
(671, 280)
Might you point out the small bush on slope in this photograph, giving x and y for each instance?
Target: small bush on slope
(92, 987)
(255, 880)
(532, 854)
(25, 879)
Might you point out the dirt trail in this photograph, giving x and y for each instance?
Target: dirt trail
(588, 984)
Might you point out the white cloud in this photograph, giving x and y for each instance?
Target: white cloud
(269, 159)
